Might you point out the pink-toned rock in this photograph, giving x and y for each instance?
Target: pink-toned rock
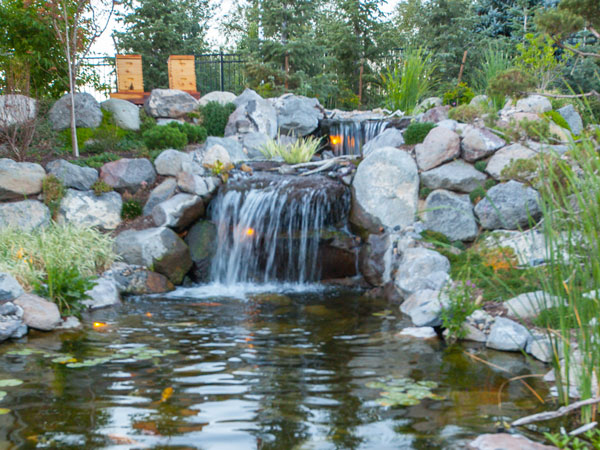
(440, 145)
(128, 174)
(436, 114)
(479, 143)
(505, 441)
(38, 313)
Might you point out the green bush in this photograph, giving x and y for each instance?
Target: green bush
(416, 132)
(465, 113)
(460, 95)
(489, 184)
(477, 194)
(481, 166)
(106, 137)
(97, 161)
(195, 133)
(513, 83)
(53, 192)
(65, 286)
(101, 187)
(462, 295)
(162, 137)
(215, 117)
(132, 209)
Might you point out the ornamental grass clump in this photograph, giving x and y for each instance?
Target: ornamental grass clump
(295, 153)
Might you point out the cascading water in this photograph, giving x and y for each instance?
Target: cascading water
(348, 136)
(269, 227)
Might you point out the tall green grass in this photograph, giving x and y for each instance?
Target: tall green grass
(495, 61)
(408, 82)
(28, 255)
(302, 150)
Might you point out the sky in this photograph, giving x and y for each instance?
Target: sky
(104, 45)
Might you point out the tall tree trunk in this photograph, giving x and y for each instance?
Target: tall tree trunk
(71, 81)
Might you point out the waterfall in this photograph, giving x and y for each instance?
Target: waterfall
(269, 227)
(348, 136)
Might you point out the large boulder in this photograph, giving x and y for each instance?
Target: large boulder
(505, 156)
(137, 280)
(202, 186)
(506, 441)
(9, 288)
(170, 103)
(455, 176)
(530, 304)
(86, 209)
(436, 114)
(38, 313)
(103, 294)
(128, 174)
(253, 144)
(202, 241)
(507, 335)
(164, 191)
(158, 249)
(11, 321)
(179, 212)
(125, 114)
(440, 145)
(478, 143)
(87, 112)
(573, 119)
(509, 206)
(392, 137)
(246, 96)
(534, 104)
(298, 115)
(419, 269)
(170, 162)
(20, 179)
(450, 214)
(385, 190)
(424, 307)
(226, 150)
(26, 215)
(72, 175)
(16, 109)
(256, 115)
(221, 97)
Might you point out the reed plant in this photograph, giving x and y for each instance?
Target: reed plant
(409, 81)
(495, 61)
(300, 151)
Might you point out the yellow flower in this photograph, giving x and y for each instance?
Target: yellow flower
(21, 253)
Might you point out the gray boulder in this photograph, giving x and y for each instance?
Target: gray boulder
(385, 190)
(436, 114)
(505, 441)
(202, 241)
(16, 109)
(419, 269)
(298, 115)
(202, 186)
(128, 174)
(26, 215)
(540, 347)
(226, 150)
(159, 194)
(534, 104)
(170, 162)
(375, 259)
(440, 145)
(480, 100)
(509, 206)
(392, 137)
(572, 117)
(530, 304)
(450, 214)
(456, 176)
(85, 209)
(424, 307)
(246, 96)
(19, 179)
(87, 112)
(137, 280)
(158, 249)
(253, 116)
(507, 335)
(103, 294)
(170, 103)
(71, 175)
(125, 114)
(11, 322)
(253, 143)
(478, 143)
(9, 287)
(179, 212)
(38, 313)
(505, 156)
(221, 97)
(429, 103)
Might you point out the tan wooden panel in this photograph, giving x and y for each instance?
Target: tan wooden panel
(182, 72)
(129, 73)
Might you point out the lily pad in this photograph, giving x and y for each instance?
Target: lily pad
(404, 391)
(10, 382)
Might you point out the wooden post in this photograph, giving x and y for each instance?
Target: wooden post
(462, 66)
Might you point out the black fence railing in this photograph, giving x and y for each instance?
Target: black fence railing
(220, 72)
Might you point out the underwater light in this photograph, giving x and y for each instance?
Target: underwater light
(100, 324)
(250, 231)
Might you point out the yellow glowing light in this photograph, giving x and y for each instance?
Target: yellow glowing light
(335, 140)
(249, 231)
(148, 314)
(99, 324)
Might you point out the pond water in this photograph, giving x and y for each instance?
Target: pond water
(301, 370)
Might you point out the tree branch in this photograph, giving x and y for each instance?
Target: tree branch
(593, 92)
(592, 30)
(554, 414)
(575, 50)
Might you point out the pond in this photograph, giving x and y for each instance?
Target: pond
(315, 369)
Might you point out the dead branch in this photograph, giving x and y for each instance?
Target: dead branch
(593, 92)
(554, 414)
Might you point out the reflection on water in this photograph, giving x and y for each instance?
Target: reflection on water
(270, 372)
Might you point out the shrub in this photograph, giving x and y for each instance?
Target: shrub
(97, 161)
(27, 254)
(477, 194)
(65, 286)
(489, 184)
(424, 192)
(106, 137)
(146, 121)
(538, 130)
(481, 166)
(462, 296)
(215, 117)
(513, 83)
(218, 169)
(53, 192)
(465, 113)
(101, 187)
(194, 133)
(161, 137)
(460, 95)
(132, 209)
(300, 151)
(416, 132)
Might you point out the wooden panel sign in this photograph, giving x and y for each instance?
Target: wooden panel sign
(182, 73)
(129, 73)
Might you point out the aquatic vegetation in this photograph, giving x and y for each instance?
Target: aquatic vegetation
(404, 391)
(295, 153)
